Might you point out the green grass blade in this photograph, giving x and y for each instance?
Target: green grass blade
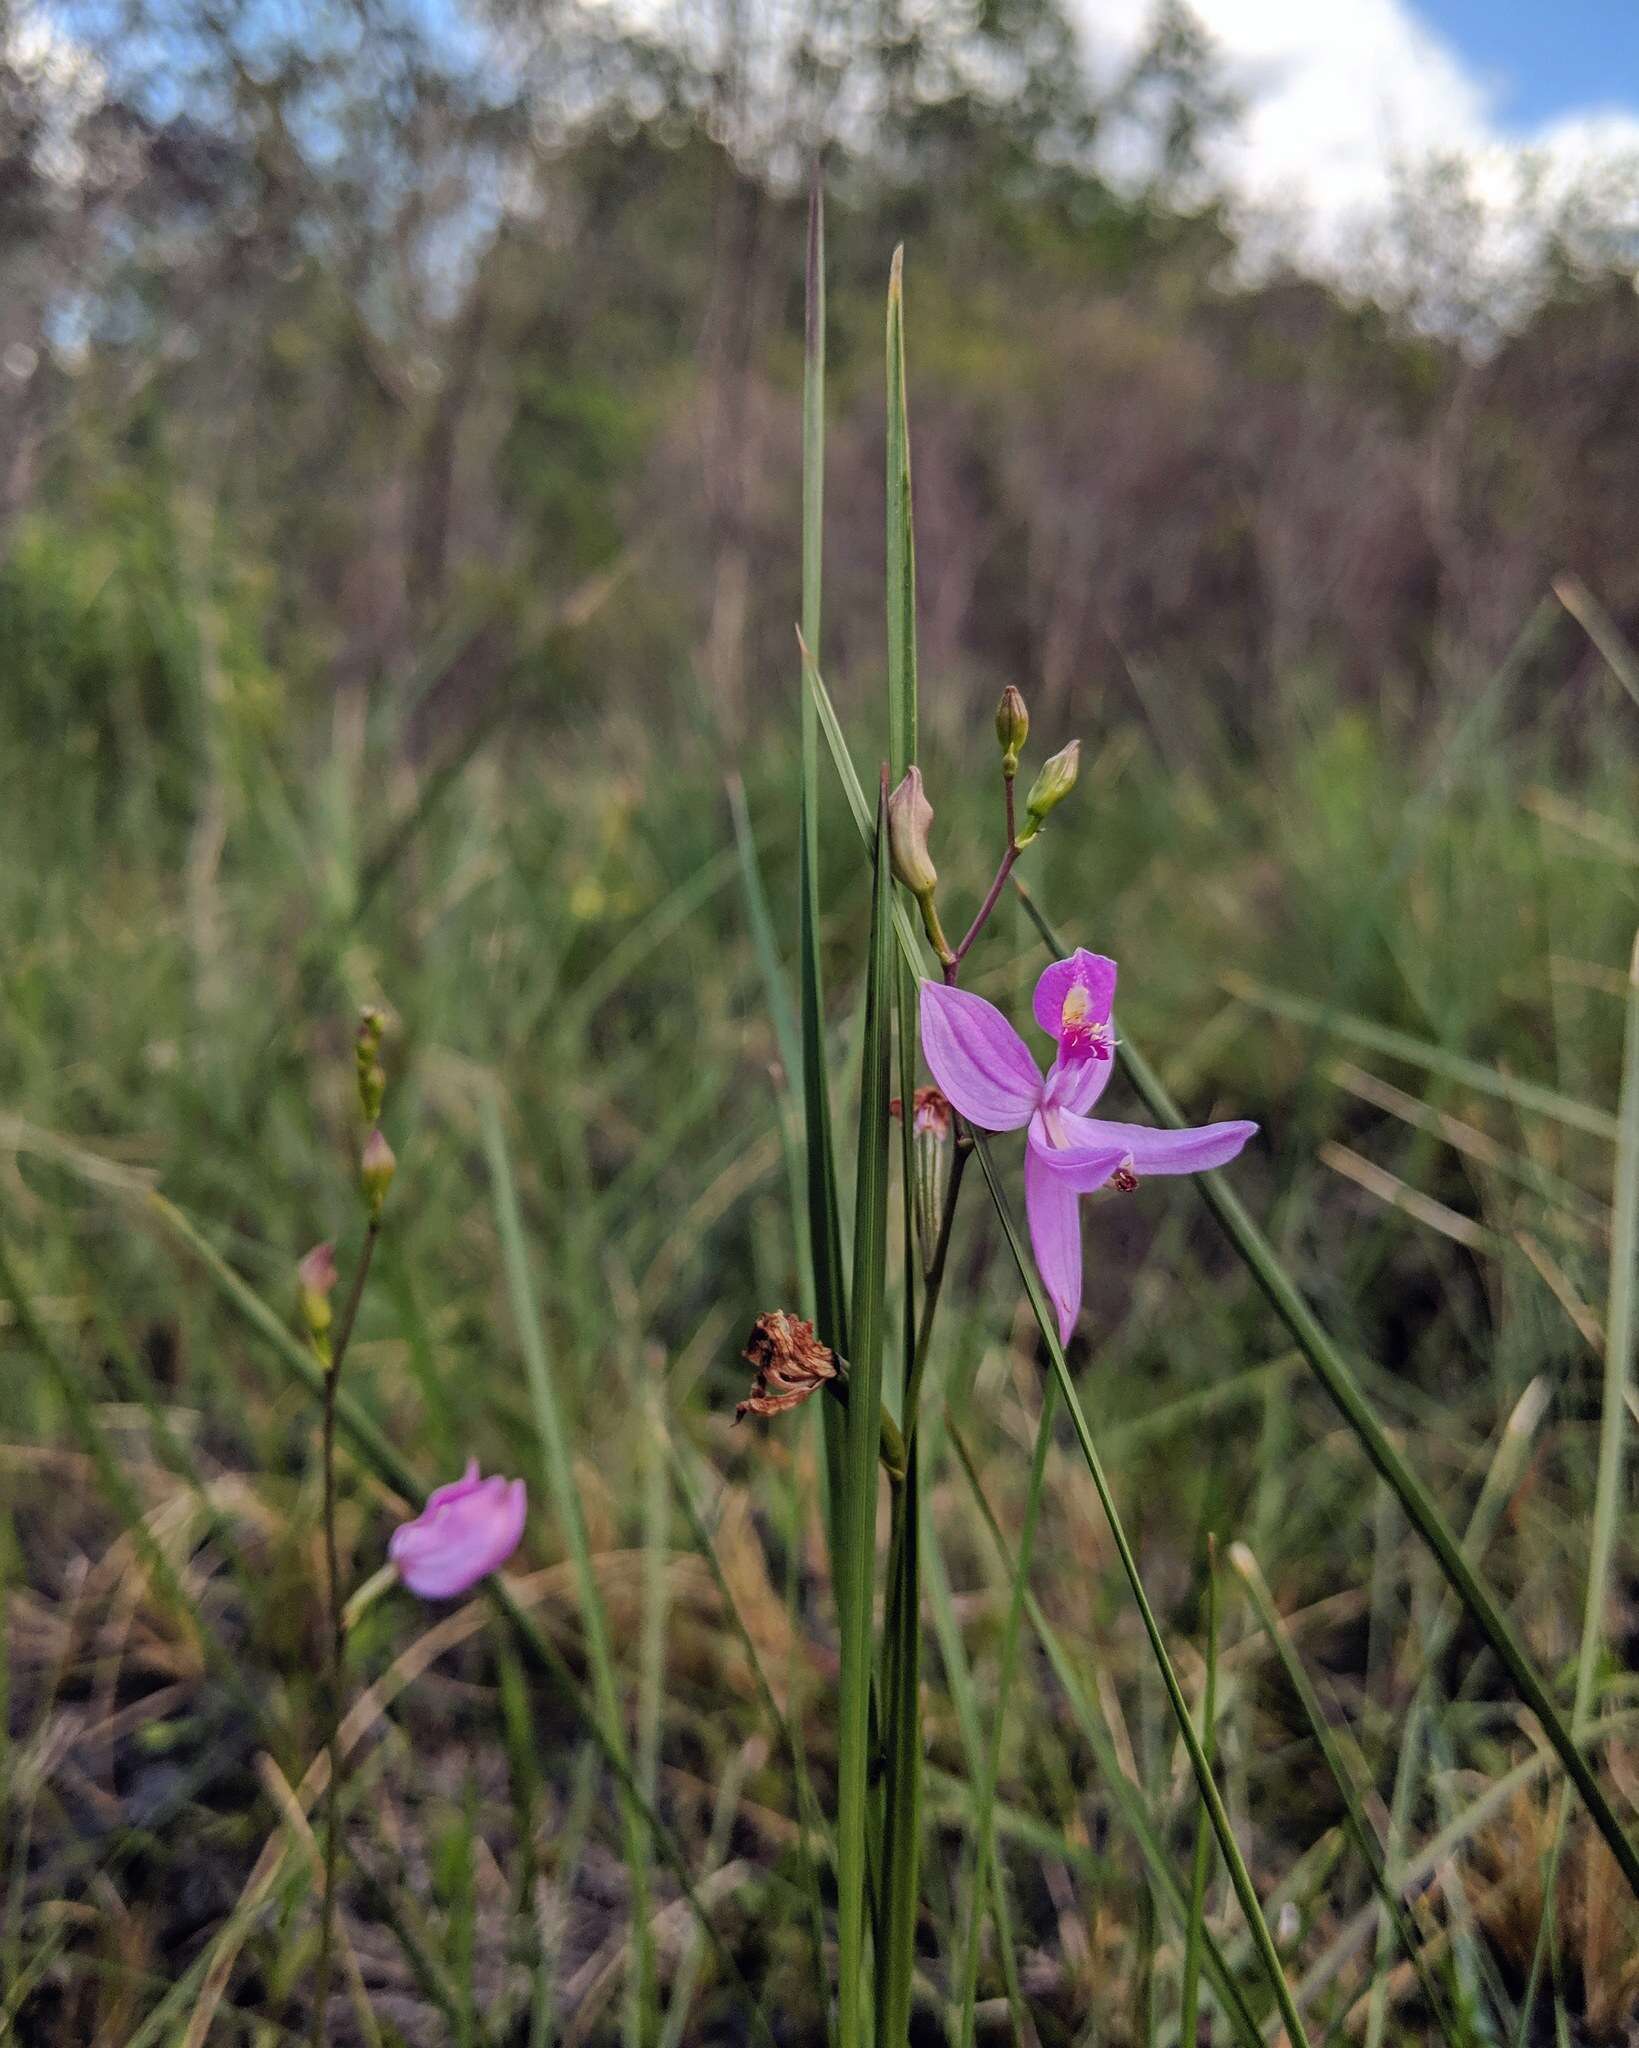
(856, 1532)
(1434, 1059)
(902, 718)
(1240, 1877)
(902, 1622)
(1619, 1342)
(1190, 1988)
(788, 1035)
(558, 1487)
(1419, 1504)
(1315, 1714)
(902, 1760)
(909, 945)
(824, 1209)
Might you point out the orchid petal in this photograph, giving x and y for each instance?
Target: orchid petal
(1054, 1211)
(1092, 972)
(978, 1059)
(1081, 1166)
(466, 1531)
(1153, 1151)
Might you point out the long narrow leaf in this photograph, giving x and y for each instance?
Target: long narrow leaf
(824, 1210)
(1619, 1342)
(902, 1624)
(856, 1532)
(902, 714)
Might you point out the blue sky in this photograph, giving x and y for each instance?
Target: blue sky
(1343, 99)
(1545, 57)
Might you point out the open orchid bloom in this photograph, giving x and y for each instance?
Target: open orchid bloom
(467, 1530)
(991, 1076)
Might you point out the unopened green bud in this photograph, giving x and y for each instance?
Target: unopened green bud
(1012, 729)
(1051, 786)
(376, 1169)
(367, 1046)
(315, 1282)
(909, 816)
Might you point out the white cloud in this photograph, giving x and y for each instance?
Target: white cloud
(1339, 99)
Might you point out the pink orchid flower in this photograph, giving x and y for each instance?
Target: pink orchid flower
(991, 1076)
(467, 1530)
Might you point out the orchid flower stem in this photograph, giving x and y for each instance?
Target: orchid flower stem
(953, 966)
(338, 1636)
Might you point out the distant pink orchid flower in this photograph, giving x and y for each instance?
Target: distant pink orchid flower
(467, 1530)
(991, 1076)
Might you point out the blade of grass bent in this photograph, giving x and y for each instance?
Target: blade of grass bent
(558, 1481)
(1340, 1383)
(856, 1530)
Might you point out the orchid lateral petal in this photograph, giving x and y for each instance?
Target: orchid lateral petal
(978, 1059)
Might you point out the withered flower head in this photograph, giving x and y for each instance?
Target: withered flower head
(788, 1362)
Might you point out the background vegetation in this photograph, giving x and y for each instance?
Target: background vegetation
(399, 514)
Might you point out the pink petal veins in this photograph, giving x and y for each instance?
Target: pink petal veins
(978, 1059)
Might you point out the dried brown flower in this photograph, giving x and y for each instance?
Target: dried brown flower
(789, 1363)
